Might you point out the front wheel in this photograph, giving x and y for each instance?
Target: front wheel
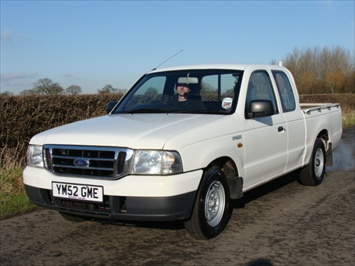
(313, 173)
(212, 206)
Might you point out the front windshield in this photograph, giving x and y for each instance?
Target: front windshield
(187, 91)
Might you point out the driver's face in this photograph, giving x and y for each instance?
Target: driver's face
(182, 89)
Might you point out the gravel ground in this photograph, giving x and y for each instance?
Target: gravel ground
(281, 223)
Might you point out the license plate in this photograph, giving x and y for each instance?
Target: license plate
(77, 192)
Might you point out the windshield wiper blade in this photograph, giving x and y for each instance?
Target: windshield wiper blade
(146, 110)
(167, 111)
(191, 111)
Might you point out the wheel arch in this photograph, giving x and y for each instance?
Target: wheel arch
(324, 135)
(230, 169)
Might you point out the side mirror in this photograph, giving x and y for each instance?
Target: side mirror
(110, 106)
(260, 108)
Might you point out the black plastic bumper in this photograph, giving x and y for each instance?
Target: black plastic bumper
(119, 208)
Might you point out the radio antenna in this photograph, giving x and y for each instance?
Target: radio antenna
(168, 59)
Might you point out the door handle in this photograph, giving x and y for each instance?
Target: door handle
(281, 129)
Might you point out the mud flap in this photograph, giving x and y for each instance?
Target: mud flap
(329, 156)
(236, 187)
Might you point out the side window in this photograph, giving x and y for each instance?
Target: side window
(285, 90)
(260, 88)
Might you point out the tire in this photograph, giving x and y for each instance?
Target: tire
(212, 208)
(313, 173)
(72, 218)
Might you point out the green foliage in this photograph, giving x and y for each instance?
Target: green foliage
(348, 120)
(13, 199)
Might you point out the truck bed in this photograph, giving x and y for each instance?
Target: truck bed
(307, 108)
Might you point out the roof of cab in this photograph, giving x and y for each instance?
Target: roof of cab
(213, 66)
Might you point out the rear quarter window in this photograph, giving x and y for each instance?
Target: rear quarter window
(284, 87)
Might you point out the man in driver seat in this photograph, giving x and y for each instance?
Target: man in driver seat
(185, 98)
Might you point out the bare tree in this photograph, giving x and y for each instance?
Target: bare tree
(6, 93)
(151, 90)
(73, 89)
(326, 70)
(108, 89)
(47, 86)
(28, 92)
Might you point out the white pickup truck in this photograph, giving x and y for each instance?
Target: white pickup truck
(180, 145)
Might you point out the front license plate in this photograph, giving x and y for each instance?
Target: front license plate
(78, 192)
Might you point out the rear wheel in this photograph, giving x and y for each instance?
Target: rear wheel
(212, 206)
(313, 173)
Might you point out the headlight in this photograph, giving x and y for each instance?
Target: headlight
(34, 156)
(146, 162)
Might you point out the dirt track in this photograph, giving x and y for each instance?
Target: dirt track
(282, 223)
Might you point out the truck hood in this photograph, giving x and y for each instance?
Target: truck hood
(139, 131)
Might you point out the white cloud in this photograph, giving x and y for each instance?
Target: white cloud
(9, 77)
(16, 82)
(10, 36)
(6, 36)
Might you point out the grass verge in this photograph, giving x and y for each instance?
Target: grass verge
(13, 198)
(348, 119)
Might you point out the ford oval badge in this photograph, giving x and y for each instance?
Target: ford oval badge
(81, 162)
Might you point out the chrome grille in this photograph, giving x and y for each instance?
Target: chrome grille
(87, 161)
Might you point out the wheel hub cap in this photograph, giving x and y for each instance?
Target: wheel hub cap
(319, 163)
(215, 203)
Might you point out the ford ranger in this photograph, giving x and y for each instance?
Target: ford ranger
(181, 144)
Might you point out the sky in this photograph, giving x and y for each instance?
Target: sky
(95, 43)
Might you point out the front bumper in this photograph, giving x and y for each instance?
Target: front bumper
(136, 198)
(168, 208)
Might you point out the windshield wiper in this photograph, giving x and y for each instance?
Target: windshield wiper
(169, 111)
(191, 111)
(145, 110)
